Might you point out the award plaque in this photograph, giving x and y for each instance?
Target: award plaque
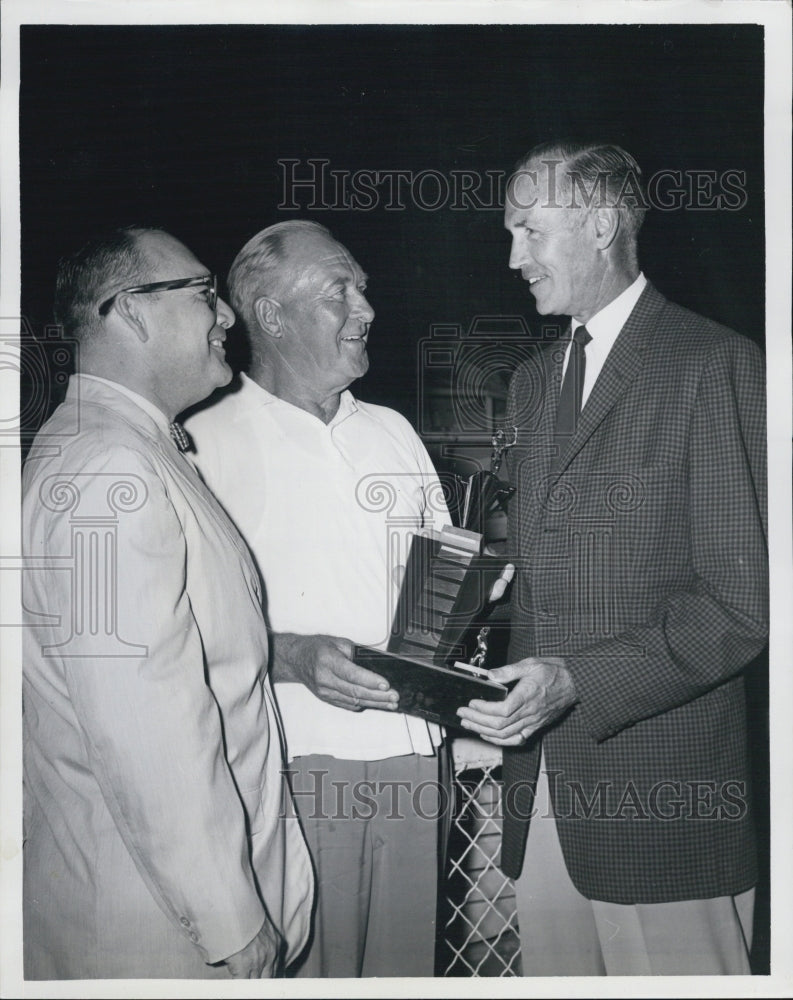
(439, 615)
(431, 692)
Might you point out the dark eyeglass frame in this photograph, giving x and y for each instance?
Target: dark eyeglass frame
(209, 280)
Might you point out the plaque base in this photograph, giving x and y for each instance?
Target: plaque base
(428, 690)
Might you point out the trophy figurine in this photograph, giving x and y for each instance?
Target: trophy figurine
(484, 492)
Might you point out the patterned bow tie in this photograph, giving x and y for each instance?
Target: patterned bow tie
(180, 437)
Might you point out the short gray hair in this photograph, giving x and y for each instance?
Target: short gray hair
(258, 266)
(601, 173)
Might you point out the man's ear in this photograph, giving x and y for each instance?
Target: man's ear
(268, 315)
(131, 313)
(607, 225)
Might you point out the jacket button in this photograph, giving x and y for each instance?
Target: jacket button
(184, 922)
(193, 936)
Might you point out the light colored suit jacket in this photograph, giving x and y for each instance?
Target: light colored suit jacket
(158, 826)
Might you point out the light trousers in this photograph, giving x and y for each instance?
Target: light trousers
(372, 831)
(563, 933)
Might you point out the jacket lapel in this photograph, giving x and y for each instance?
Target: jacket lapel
(142, 424)
(623, 364)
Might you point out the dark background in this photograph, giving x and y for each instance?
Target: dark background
(182, 127)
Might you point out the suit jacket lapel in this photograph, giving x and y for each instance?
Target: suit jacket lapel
(623, 364)
(180, 466)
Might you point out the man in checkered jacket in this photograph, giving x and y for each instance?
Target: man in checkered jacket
(639, 532)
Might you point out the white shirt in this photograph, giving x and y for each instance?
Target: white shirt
(328, 511)
(604, 328)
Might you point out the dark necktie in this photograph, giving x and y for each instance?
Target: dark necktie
(180, 437)
(569, 408)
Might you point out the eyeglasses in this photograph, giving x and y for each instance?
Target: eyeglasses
(210, 281)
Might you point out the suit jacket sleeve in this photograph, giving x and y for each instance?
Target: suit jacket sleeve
(152, 729)
(700, 635)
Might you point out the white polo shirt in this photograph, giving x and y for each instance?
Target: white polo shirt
(328, 511)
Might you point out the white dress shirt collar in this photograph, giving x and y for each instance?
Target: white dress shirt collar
(604, 328)
(611, 318)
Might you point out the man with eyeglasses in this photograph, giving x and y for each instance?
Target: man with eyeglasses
(160, 837)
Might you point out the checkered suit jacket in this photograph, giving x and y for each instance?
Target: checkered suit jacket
(642, 561)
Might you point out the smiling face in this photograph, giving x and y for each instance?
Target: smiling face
(554, 246)
(185, 350)
(324, 315)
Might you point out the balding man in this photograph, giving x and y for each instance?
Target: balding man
(638, 528)
(160, 837)
(327, 490)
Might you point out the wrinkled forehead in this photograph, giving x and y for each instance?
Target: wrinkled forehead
(315, 255)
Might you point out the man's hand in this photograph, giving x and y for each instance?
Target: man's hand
(261, 958)
(323, 664)
(544, 691)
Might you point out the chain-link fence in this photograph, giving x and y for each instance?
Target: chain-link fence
(478, 929)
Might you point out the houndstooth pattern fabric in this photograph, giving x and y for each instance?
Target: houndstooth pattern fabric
(180, 437)
(642, 561)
